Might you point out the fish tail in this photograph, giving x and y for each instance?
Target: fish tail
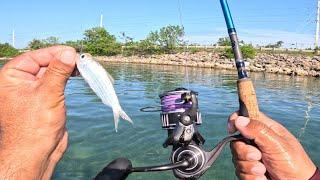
(125, 116)
(116, 119)
(120, 113)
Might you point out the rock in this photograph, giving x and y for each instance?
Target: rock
(257, 65)
(273, 63)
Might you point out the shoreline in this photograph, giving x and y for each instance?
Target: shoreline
(292, 65)
(5, 58)
(270, 63)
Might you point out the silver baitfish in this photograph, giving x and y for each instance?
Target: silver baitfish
(101, 83)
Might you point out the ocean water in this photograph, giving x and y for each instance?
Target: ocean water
(93, 142)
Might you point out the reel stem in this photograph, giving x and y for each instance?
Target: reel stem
(180, 164)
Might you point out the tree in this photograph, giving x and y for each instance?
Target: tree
(278, 44)
(75, 44)
(225, 41)
(127, 39)
(168, 38)
(248, 51)
(6, 50)
(42, 43)
(98, 41)
(50, 41)
(36, 44)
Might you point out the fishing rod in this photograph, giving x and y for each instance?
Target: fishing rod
(180, 116)
(247, 96)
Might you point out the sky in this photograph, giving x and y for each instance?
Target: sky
(257, 21)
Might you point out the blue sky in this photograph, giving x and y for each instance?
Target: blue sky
(258, 22)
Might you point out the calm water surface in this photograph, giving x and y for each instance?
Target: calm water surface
(293, 101)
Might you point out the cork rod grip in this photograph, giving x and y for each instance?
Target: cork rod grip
(248, 99)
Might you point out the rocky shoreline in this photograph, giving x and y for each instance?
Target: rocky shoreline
(294, 65)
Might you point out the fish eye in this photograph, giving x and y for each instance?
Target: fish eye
(82, 56)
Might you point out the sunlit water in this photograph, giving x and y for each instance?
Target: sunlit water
(93, 142)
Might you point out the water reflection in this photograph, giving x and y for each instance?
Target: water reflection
(293, 101)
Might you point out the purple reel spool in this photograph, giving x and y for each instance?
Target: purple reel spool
(174, 105)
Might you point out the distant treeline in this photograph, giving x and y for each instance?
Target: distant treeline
(99, 42)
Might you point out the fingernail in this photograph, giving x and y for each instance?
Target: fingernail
(242, 121)
(258, 169)
(68, 56)
(253, 156)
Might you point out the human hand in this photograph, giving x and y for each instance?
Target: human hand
(33, 135)
(277, 151)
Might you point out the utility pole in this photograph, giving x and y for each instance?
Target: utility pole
(101, 20)
(13, 38)
(317, 29)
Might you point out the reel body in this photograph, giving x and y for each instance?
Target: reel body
(180, 116)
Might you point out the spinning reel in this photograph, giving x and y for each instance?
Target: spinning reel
(180, 116)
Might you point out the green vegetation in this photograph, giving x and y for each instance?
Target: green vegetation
(225, 41)
(99, 42)
(276, 45)
(6, 50)
(42, 43)
(194, 50)
(248, 51)
(166, 40)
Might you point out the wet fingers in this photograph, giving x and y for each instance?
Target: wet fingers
(250, 167)
(244, 152)
(243, 176)
(231, 122)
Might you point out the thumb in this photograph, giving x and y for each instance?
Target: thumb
(262, 135)
(60, 68)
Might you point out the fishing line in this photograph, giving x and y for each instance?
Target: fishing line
(184, 50)
(180, 14)
(307, 117)
(81, 46)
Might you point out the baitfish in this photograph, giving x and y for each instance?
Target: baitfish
(101, 82)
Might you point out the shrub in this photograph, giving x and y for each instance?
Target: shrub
(194, 50)
(42, 43)
(248, 51)
(98, 41)
(6, 50)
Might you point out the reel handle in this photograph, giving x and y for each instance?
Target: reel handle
(120, 168)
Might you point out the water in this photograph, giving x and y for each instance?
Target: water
(93, 141)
